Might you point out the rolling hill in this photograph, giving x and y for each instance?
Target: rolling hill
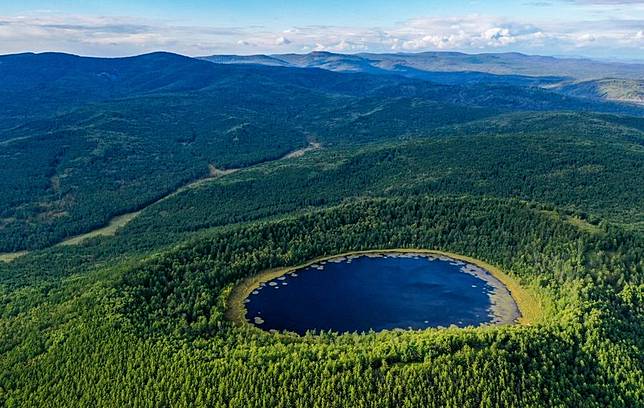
(512, 64)
(622, 90)
(218, 172)
(575, 77)
(139, 128)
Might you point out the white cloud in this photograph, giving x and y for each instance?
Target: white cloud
(499, 36)
(466, 33)
(472, 33)
(584, 38)
(342, 46)
(282, 41)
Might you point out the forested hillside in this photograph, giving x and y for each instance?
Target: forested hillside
(547, 187)
(579, 77)
(142, 127)
(154, 332)
(514, 65)
(586, 170)
(612, 89)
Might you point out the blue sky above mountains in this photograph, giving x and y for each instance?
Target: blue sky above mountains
(609, 29)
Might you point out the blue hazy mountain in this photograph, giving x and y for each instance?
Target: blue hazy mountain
(612, 81)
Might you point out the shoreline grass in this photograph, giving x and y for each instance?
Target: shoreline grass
(530, 310)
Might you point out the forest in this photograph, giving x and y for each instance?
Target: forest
(546, 187)
(137, 129)
(154, 332)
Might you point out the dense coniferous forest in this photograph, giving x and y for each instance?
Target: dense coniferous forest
(584, 352)
(545, 186)
(142, 127)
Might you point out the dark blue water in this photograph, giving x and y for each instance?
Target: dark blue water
(372, 293)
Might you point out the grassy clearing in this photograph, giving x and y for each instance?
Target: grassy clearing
(301, 152)
(122, 220)
(10, 256)
(107, 231)
(582, 225)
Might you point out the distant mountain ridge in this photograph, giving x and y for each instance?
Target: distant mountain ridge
(490, 63)
(36, 86)
(569, 76)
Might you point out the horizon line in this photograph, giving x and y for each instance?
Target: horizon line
(635, 61)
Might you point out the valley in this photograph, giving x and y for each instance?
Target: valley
(120, 221)
(445, 229)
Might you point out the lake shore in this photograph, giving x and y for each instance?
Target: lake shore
(510, 302)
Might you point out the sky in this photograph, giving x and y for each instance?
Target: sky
(601, 29)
